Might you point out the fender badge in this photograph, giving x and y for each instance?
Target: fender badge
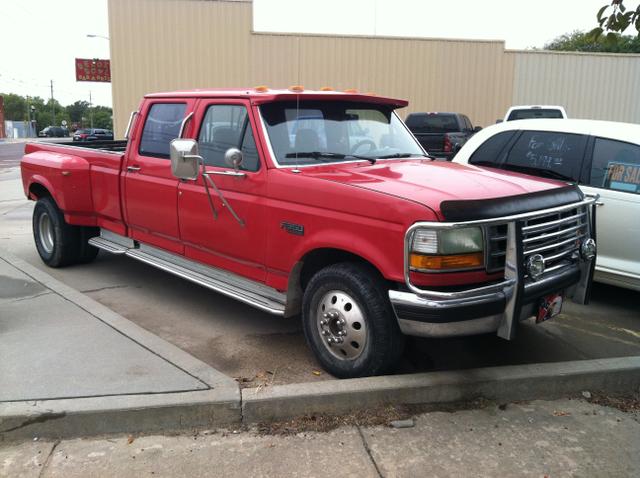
(295, 229)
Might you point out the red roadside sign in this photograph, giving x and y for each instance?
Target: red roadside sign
(93, 69)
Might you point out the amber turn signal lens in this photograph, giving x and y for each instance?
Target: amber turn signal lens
(448, 262)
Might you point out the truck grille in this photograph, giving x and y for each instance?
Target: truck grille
(555, 236)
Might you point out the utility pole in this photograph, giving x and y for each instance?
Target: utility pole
(29, 118)
(53, 107)
(90, 109)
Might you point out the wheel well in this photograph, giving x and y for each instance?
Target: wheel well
(38, 191)
(318, 259)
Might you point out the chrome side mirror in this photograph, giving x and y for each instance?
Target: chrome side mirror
(185, 159)
(233, 157)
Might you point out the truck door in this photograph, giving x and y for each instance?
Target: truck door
(225, 228)
(150, 190)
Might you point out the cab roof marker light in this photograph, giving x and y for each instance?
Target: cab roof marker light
(261, 89)
(370, 93)
(326, 88)
(296, 88)
(351, 90)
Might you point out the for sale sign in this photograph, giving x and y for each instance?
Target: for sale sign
(93, 69)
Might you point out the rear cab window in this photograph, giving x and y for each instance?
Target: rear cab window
(161, 126)
(432, 123)
(535, 113)
(615, 165)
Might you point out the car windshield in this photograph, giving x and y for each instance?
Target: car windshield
(309, 132)
(432, 123)
(83, 131)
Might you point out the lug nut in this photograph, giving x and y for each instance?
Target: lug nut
(323, 322)
(325, 315)
(325, 332)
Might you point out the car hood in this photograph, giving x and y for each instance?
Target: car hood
(432, 182)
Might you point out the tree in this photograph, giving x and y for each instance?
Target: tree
(102, 117)
(582, 41)
(77, 110)
(15, 107)
(615, 17)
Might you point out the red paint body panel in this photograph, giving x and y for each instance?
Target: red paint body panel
(356, 207)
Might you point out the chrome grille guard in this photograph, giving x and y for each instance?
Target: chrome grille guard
(513, 284)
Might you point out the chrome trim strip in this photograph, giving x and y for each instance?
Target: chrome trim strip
(130, 123)
(183, 125)
(551, 224)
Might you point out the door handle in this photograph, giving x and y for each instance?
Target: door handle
(133, 168)
(599, 204)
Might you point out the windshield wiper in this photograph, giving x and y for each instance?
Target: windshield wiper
(405, 155)
(327, 155)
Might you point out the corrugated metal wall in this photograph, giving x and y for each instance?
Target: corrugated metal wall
(161, 45)
(593, 86)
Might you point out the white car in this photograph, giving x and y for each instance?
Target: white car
(602, 157)
(535, 112)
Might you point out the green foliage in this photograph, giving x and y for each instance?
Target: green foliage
(615, 17)
(16, 108)
(584, 41)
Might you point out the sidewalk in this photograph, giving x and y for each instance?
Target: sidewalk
(71, 363)
(557, 438)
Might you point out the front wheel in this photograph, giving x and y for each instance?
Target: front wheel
(348, 321)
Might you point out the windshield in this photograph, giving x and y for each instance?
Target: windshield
(83, 131)
(309, 132)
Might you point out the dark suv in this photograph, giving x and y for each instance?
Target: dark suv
(54, 132)
(92, 134)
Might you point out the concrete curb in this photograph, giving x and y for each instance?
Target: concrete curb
(219, 405)
(517, 382)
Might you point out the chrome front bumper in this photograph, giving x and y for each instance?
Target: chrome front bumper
(497, 307)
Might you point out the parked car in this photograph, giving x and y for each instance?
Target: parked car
(535, 112)
(54, 132)
(365, 247)
(602, 157)
(93, 134)
(441, 134)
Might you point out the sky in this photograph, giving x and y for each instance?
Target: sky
(39, 39)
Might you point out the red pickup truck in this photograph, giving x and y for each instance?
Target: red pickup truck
(320, 204)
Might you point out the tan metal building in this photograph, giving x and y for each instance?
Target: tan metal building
(159, 45)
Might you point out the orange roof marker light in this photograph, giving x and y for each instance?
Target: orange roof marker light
(261, 89)
(296, 88)
(326, 88)
(351, 90)
(370, 93)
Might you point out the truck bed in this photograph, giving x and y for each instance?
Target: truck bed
(82, 176)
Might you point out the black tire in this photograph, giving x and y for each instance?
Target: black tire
(367, 297)
(87, 252)
(58, 243)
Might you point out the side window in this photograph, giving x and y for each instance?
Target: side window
(615, 165)
(560, 153)
(224, 127)
(161, 126)
(490, 152)
(467, 123)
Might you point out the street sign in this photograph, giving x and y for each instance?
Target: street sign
(64, 123)
(93, 69)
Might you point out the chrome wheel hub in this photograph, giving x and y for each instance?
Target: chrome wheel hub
(45, 227)
(341, 324)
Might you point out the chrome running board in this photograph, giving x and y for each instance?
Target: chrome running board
(232, 285)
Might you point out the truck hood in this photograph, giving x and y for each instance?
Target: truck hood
(432, 182)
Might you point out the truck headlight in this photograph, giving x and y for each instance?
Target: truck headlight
(447, 249)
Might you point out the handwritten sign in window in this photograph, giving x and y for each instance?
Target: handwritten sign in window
(549, 151)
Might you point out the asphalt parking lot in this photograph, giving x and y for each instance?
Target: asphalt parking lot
(245, 343)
